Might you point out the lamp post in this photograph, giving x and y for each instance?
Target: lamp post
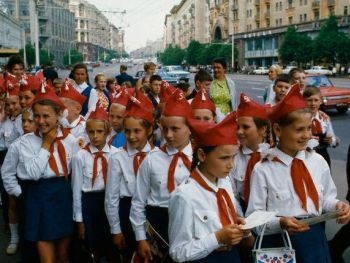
(69, 52)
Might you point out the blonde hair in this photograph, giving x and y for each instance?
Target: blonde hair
(277, 68)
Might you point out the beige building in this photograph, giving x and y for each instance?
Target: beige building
(255, 26)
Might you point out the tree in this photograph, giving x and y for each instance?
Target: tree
(295, 47)
(75, 57)
(172, 56)
(329, 43)
(193, 52)
(46, 57)
(30, 54)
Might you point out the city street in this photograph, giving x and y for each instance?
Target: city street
(253, 86)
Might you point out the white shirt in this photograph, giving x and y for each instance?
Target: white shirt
(13, 167)
(327, 128)
(272, 187)
(151, 184)
(82, 172)
(77, 129)
(93, 99)
(10, 130)
(121, 182)
(194, 219)
(237, 175)
(36, 159)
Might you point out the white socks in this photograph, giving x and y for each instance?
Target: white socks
(14, 233)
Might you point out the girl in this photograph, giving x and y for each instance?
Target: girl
(46, 157)
(161, 171)
(112, 87)
(104, 100)
(28, 90)
(252, 133)
(203, 212)
(321, 128)
(89, 176)
(9, 171)
(121, 179)
(80, 75)
(203, 107)
(296, 183)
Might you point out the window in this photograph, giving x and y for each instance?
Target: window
(290, 20)
(345, 10)
(305, 17)
(301, 18)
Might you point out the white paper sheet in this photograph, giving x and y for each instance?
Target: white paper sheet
(257, 218)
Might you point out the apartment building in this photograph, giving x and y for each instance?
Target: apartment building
(255, 27)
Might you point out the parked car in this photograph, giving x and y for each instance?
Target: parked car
(319, 70)
(333, 97)
(166, 77)
(261, 71)
(177, 72)
(139, 74)
(287, 69)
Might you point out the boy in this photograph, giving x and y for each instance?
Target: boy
(202, 79)
(281, 87)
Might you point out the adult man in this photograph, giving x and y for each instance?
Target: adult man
(123, 76)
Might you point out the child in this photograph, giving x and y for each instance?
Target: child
(185, 87)
(252, 133)
(161, 172)
(203, 212)
(296, 183)
(281, 87)
(46, 156)
(112, 88)
(104, 100)
(298, 76)
(28, 89)
(89, 176)
(321, 128)
(9, 171)
(116, 117)
(74, 102)
(203, 107)
(154, 89)
(121, 179)
(202, 79)
(273, 73)
(58, 84)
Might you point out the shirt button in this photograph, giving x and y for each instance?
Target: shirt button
(159, 182)
(205, 218)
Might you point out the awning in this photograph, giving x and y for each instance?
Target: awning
(6, 52)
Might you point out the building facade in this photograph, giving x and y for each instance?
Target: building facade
(256, 27)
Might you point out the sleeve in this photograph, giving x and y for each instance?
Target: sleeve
(259, 198)
(183, 245)
(93, 99)
(139, 200)
(112, 195)
(330, 132)
(35, 163)
(77, 183)
(9, 171)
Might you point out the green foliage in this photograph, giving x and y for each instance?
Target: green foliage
(45, 57)
(172, 56)
(193, 52)
(30, 54)
(75, 57)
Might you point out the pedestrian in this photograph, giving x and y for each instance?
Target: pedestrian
(253, 133)
(104, 100)
(223, 90)
(321, 128)
(150, 69)
(50, 72)
(160, 173)
(269, 94)
(202, 79)
(281, 88)
(124, 76)
(89, 176)
(122, 172)
(203, 107)
(80, 75)
(155, 83)
(29, 87)
(58, 85)
(46, 156)
(298, 76)
(204, 216)
(296, 183)
(112, 88)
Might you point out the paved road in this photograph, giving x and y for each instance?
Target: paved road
(253, 86)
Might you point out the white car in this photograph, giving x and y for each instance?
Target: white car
(177, 72)
(261, 71)
(319, 70)
(287, 69)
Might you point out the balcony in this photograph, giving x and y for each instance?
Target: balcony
(257, 17)
(257, 2)
(267, 15)
(316, 4)
(330, 3)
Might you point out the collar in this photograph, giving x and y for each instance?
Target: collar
(187, 150)
(132, 151)
(285, 158)
(215, 187)
(82, 86)
(262, 147)
(76, 122)
(105, 149)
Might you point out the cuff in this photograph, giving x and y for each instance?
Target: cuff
(78, 217)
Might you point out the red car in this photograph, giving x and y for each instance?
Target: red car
(333, 97)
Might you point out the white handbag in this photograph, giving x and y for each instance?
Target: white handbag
(284, 254)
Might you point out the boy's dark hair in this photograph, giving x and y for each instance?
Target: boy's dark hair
(184, 86)
(14, 60)
(202, 75)
(283, 78)
(221, 61)
(123, 67)
(79, 66)
(310, 91)
(155, 77)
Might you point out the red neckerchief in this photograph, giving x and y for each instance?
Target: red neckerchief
(98, 155)
(138, 158)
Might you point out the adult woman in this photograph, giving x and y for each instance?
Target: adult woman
(223, 90)
(269, 94)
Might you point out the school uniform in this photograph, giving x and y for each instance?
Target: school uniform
(77, 129)
(321, 127)
(273, 190)
(120, 187)
(48, 206)
(151, 198)
(89, 193)
(91, 98)
(238, 174)
(11, 129)
(194, 219)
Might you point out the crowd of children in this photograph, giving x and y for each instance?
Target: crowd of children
(158, 173)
